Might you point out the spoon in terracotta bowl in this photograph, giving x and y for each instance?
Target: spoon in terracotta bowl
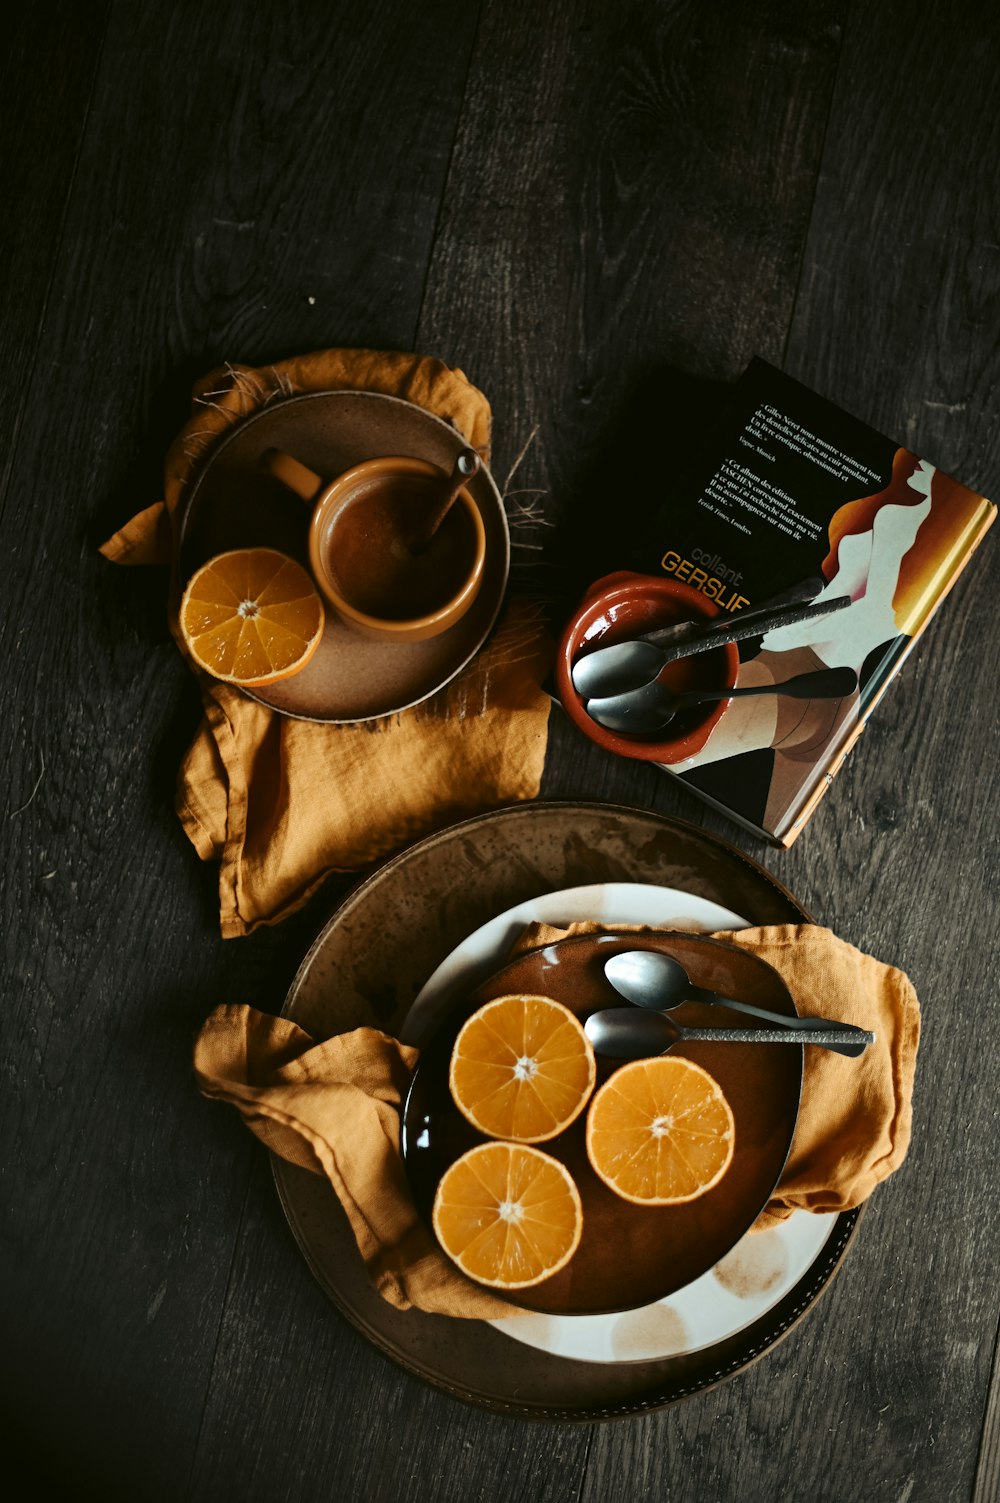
(631, 1033)
(658, 983)
(643, 711)
(630, 664)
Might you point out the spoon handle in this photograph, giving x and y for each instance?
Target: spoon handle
(853, 1041)
(827, 1037)
(466, 467)
(825, 683)
(739, 627)
(796, 594)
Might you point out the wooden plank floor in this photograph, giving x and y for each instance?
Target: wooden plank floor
(577, 203)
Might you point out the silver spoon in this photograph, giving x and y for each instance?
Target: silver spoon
(629, 665)
(631, 1033)
(657, 982)
(652, 707)
(614, 669)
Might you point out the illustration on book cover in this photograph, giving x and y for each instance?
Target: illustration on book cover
(799, 487)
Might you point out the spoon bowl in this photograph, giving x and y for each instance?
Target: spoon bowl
(654, 981)
(617, 669)
(631, 1033)
(650, 709)
(623, 666)
(629, 665)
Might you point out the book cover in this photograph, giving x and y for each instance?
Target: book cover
(794, 486)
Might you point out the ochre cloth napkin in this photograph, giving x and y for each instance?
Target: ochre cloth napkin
(334, 1107)
(855, 1115)
(282, 803)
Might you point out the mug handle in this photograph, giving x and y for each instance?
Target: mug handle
(292, 473)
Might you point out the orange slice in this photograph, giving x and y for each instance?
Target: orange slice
(522, 1068)
(508, 1215)
(660, 1132)
(251, 617)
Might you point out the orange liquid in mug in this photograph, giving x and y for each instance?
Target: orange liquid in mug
(368, 556)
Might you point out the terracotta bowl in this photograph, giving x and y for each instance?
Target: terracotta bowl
(626, 605)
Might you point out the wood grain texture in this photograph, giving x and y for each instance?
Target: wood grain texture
(349, 1422)
(594, 210)
(988, 1469)
(42, 145)
(202, 193)
(605, 222)
(909, 828)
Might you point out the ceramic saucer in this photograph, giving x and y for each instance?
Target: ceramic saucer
(235, 504)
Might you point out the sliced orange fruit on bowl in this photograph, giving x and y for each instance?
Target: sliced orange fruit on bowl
(522, 1068)
(660, 1132)
(251, 617)
(508, 1215)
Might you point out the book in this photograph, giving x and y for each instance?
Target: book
(788, 486)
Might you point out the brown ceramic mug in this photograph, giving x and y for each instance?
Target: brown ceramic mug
(362, 545)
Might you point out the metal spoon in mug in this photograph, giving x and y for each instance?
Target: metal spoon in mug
(466, 468)
(651, 708)
(631, 1033)
(629, 665)
(657, 982)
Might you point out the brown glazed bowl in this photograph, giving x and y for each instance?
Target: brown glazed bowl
(629, 1255)
(625, 605)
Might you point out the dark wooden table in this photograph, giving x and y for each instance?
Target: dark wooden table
(566, 200)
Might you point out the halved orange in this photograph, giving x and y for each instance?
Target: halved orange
(251, 617)
(508, 1215)
(522, 1068)
(660, 1132)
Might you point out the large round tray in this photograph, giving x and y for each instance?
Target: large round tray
(366, 968)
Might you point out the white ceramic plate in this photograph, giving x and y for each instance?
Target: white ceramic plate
(760, 1269)
(486, 950)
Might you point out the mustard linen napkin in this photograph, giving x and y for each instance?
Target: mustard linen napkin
(334, 1107)
(855, 1115)
(282, 803)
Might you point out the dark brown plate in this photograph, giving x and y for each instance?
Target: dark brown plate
(234, 504)
(365, 969)
(668, 1246)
